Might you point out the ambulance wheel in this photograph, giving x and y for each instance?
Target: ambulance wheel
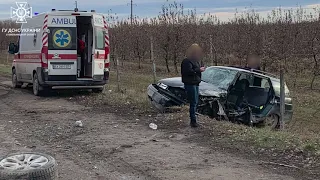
(36, 87)
(15, 82)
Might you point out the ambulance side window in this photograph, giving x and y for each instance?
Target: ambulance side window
(99, 39)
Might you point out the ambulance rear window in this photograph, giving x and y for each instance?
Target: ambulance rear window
(63, 38)
(99, 38)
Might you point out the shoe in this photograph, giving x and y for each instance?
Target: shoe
(194, 125)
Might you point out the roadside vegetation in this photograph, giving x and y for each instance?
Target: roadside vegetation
(291, 37)
(5, 68)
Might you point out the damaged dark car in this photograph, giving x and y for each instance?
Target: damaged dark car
(229, 93)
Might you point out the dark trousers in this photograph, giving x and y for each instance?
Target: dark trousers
(193, 97)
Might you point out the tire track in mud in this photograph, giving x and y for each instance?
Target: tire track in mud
(4, 91)
(118, 164)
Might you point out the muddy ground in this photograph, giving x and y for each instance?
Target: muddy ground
(111, 145)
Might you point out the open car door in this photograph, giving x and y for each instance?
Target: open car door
(250, 98)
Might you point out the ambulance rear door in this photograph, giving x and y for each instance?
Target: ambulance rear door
(62, 47)
(98, 47)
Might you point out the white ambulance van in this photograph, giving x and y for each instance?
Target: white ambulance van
(51, 57)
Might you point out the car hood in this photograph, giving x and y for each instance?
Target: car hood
(205, 89)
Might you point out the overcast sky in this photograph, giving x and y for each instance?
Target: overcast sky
(149, 8)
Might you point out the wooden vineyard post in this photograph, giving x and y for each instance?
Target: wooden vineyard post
(153, 61)
(211, 50)
(118, 75)
(282, 97)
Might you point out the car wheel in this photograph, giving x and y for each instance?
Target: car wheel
(34, 166)
(97, 90)
(272, 121)
(15, 82)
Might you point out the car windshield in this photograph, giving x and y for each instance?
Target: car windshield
(220, 77)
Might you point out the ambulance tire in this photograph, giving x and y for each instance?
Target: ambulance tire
(46, 170)
(36, 87)
(15, 82)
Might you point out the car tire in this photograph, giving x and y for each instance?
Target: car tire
(15, 82)
(272, 121)
(25, 166)
(97, 90)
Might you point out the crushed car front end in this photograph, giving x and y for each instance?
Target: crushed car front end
(163, 96)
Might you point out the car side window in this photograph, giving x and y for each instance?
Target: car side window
(245, 76)
(265, 84)
(261, 82)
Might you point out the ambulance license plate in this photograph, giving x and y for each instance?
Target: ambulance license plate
(61, 66)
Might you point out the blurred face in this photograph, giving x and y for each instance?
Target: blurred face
(253, 61)
(197, 54)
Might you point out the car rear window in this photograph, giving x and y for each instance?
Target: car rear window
(276, 87)
(64, 38)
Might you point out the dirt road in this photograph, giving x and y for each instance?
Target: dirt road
(111, 146)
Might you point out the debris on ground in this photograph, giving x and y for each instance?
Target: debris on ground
(153, 126)
(79, 124)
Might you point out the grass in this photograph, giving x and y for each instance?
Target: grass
(279, 140)
(5, 69)
(132, 89)
(306, 119)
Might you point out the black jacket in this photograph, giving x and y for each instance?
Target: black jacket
(249, 68)
(190, 72)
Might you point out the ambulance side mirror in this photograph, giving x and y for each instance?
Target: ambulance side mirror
(12, 49)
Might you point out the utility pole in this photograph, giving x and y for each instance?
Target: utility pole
(131, 14)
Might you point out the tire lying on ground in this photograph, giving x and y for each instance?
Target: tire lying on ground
(28, 166)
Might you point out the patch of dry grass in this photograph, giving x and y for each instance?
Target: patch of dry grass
(5, 69)
(302, 133)
(132, 89)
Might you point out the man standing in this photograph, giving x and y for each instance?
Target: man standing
(253, 63)
(191, 77)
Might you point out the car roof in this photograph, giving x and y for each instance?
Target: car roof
(259, 73)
